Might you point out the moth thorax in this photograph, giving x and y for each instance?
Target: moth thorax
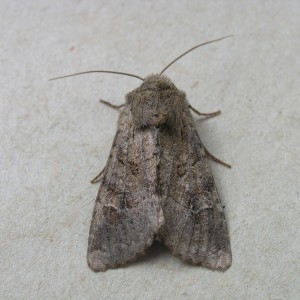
(151, 113)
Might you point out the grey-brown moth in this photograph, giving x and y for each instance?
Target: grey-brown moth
(157, 184)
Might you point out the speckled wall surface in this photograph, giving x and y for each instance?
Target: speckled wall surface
(55, 137)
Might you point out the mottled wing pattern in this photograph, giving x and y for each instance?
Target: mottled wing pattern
(195, 229)
(127, 212)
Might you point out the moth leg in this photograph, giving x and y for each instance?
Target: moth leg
(209, 115)
(217, 160)
(112, 105)
(96, 179)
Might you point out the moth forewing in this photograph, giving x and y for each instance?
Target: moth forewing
(127, 212)
(195, 228)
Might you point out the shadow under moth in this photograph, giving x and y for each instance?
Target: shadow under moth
(157, 183)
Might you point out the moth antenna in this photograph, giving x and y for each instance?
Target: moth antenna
(197, 46)
(112, 72)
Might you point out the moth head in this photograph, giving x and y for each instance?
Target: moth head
(156, 102)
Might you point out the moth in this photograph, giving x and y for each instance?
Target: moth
(157, 183)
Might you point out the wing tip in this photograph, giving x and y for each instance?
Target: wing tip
(100, 261)
(96, 261)
(220, 261)
(216, 261)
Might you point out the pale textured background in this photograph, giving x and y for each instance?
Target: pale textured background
(55, 137)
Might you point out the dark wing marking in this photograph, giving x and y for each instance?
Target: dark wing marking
(195, 229)
(127, 212)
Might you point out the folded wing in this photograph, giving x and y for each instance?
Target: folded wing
(127, 213)
(195, 228)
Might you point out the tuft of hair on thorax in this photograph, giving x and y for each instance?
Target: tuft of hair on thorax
(157, 102)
